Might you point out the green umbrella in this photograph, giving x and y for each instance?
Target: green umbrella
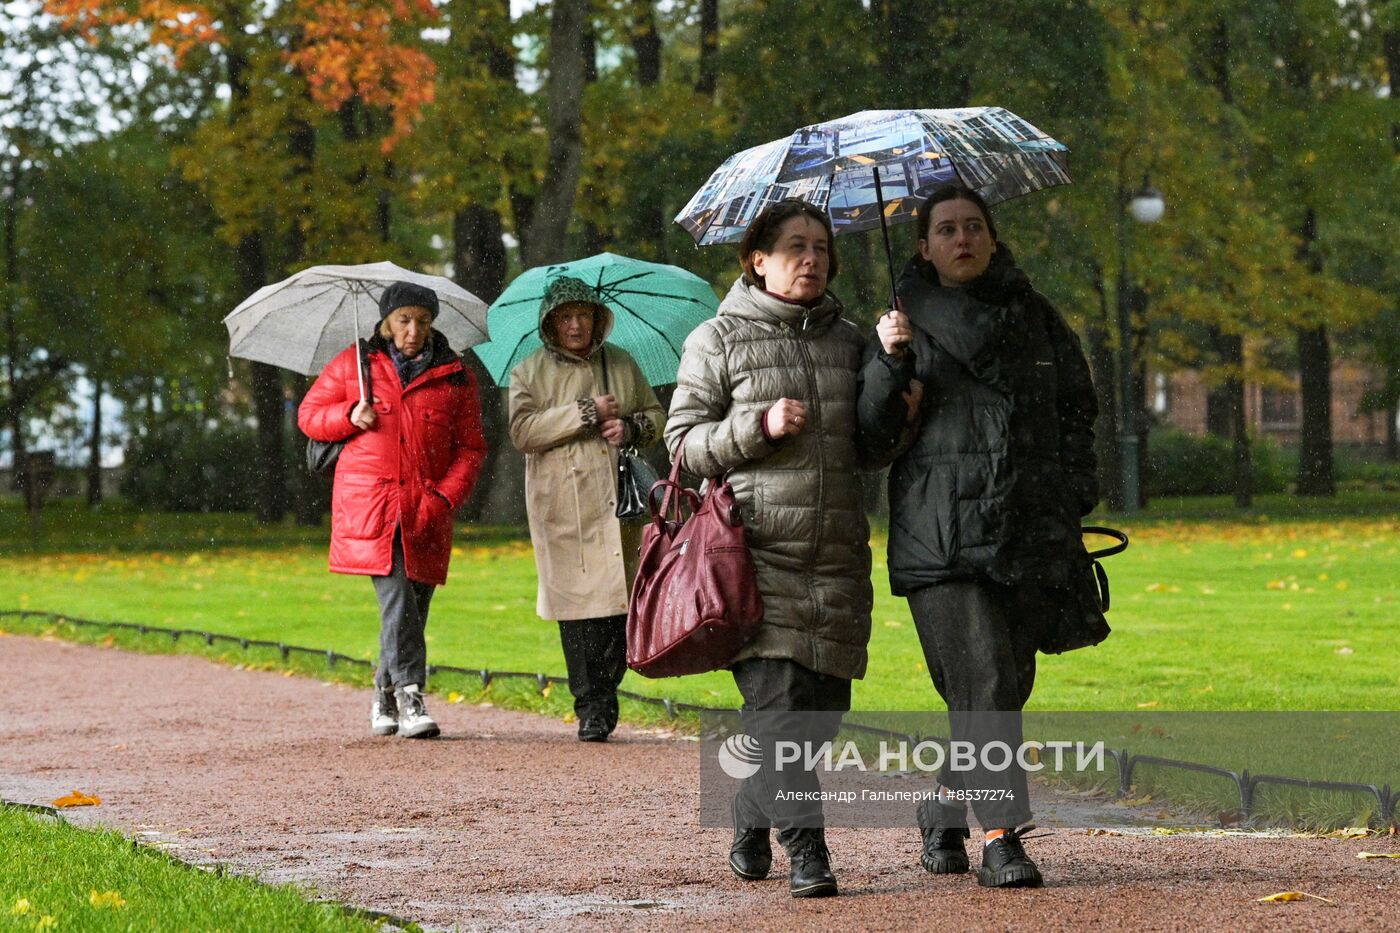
(655, 306)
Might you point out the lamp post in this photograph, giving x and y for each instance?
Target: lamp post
(1146, 206)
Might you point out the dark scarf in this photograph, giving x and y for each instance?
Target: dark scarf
(411, 367)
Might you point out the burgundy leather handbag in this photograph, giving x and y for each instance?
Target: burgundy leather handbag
(695, 600)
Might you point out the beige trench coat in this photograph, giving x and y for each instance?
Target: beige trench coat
(585, 558)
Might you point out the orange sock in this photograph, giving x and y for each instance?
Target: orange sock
(993, 834)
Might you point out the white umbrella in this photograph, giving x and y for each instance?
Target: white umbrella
(303, 321)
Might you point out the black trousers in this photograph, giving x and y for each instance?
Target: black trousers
(595, 653)
(979, 640)
(403, 619)
(784, 701)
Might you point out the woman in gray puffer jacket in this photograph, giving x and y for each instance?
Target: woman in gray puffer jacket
(766, 394)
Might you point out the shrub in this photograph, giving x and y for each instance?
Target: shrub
(183, 466)
(1179, 464)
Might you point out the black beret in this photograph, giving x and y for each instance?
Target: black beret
(405, 294)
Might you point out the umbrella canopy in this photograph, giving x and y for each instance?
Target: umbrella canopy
(655, 306)
(303, 321)
(875, 166)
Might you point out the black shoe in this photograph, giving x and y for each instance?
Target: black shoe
(810, 875)
(593, 729)
(1005, 863)
(751, 855)
(944, 831)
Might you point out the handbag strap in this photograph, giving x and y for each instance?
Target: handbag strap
(1114, 533)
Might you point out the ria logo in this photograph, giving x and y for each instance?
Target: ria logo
(739, 756)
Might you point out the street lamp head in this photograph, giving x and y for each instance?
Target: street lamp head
(1147, 205)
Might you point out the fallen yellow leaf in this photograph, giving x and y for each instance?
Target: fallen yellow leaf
(1378, 855)
(1137, 801)
(101, 899)
(1300, 553)
(1351, 832)
(1277, 585)
(455, 697)
(46, 922)
(78, 799)
(22, 907)
(1294, 896)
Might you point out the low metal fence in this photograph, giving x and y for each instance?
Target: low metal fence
(1246, 784)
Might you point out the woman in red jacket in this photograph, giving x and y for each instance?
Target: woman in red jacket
(413, 454)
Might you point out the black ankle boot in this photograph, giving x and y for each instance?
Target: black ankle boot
(1005, 863)
(944, 831)
(751, 855)
(811, 863)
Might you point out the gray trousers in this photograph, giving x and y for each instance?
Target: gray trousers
(403, 617)
(979, 640)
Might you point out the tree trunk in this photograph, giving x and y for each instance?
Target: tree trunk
(94, 469)
(479, 263)
(1390, 43)
(1106, 448)
(1392, 437)
(709, 48)
(311, 492)
(646, 43)
(1315, 475)
(1219, 403)
(549, 223)
(1139, 389)
(270, 502)
(308, 492)
(1232, 355)
(16, 419)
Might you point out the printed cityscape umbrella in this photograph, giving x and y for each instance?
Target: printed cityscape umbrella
(655, 306)
(874, 167)
(301, 322)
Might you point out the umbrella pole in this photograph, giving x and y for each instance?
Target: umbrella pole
(359, 361)
(885, 229)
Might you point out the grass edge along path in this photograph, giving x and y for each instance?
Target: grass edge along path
(108, 882)
(1319, 808)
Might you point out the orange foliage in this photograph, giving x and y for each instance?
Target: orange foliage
(348, 51)
(180, 27)
(347, 48)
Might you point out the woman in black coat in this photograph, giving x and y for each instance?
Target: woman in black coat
(985, 501)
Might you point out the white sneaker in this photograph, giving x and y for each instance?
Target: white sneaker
(384, 714)
(414, 721)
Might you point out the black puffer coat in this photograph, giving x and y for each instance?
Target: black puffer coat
(1001, 468)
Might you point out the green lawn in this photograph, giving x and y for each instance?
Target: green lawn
(107, 884)
(1289, 606)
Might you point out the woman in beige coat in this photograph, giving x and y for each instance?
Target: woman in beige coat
(573, 404)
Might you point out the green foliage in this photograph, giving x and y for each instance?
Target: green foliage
(180, 466)
(1179, 464)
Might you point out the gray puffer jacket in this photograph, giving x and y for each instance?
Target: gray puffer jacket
(800, 497)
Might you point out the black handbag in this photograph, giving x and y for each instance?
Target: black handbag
(1076, 617)
(321, 456)
(635, 475)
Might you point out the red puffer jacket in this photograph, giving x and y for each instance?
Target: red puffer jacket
(411, 470)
